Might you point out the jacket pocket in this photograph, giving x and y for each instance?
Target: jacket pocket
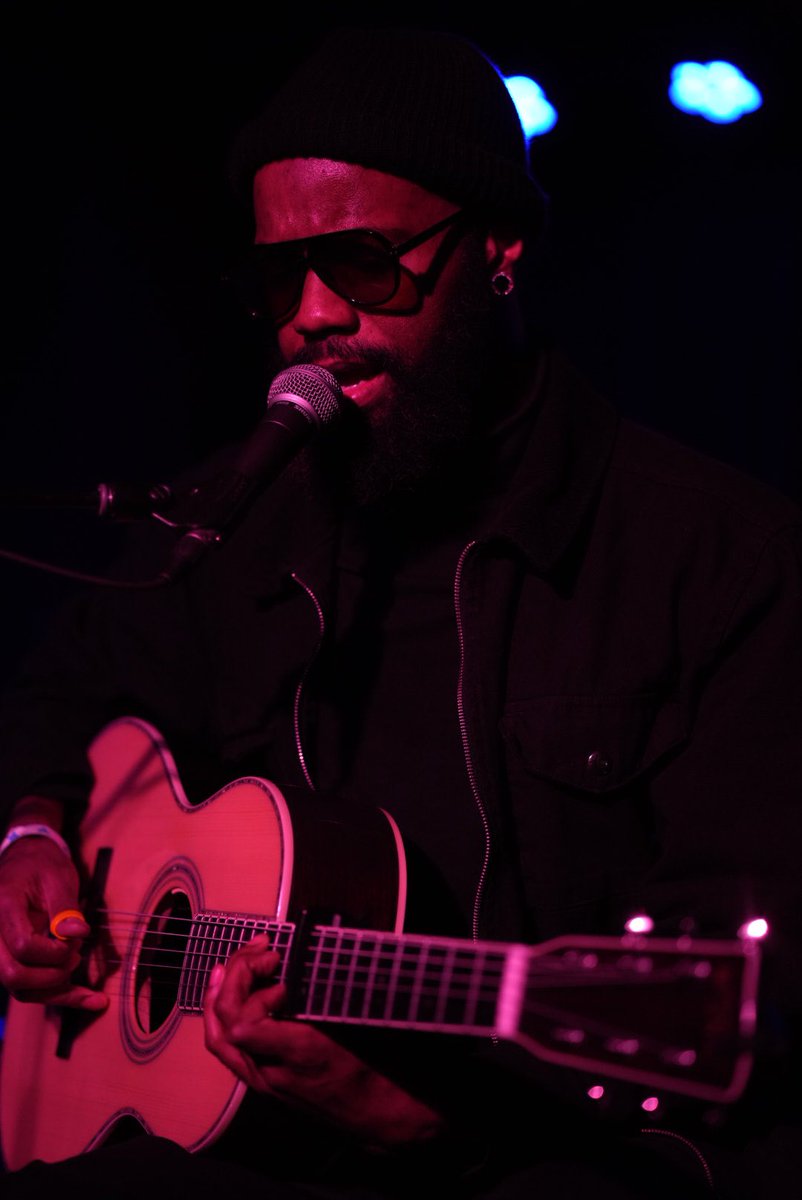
(594, 743)
(579, 771)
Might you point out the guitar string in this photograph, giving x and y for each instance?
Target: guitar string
(406, 966)
(475, 996)
(338, 975)
(406, 985)
(366, 949)
(343, 984)
(478, 1001)
(381, 978)
(362, 958)
(403, 970)
(215, 934)
(340, 996)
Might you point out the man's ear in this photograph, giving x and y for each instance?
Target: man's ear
(503, 248)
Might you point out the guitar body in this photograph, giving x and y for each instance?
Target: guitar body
(155, 859)
(174, 888)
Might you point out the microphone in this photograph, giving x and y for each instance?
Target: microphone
(301, 403)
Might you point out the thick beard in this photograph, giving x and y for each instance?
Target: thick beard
(438, 409)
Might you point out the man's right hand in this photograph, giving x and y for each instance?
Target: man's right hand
(37, 881)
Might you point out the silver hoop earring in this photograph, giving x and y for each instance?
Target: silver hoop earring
(502, 283)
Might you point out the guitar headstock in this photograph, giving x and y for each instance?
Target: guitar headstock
(671, 1013)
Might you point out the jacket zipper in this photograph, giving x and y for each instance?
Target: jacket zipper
(296, 708)
(466, 746)
(466, 749)
(692, 1147)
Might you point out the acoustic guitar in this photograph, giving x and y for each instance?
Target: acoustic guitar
(174, 887)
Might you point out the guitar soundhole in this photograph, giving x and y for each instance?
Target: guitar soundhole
(158, 970)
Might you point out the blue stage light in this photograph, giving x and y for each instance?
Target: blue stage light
(717, 91)
(537, 115)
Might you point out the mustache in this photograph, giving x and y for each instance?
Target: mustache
(348, 350)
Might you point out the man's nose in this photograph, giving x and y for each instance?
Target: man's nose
(321, 309)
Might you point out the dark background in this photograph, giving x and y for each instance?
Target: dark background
(670, 270)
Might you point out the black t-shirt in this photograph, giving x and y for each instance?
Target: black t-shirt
(385, 702)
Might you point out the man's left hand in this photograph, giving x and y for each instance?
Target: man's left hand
(297, 1063)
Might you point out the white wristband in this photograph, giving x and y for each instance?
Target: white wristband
(20, 831)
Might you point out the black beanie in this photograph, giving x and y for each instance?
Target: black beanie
(427, 106)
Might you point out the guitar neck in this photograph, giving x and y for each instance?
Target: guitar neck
(365, 977)
(599, 1003)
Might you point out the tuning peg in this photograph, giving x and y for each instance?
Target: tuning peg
(639, 923)
(754, 929)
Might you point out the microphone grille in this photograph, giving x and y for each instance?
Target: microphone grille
(312, 388)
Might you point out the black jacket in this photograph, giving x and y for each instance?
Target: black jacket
(630, 694)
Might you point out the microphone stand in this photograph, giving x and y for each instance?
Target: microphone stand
(111, 501)
(186, 512)
(302, 401)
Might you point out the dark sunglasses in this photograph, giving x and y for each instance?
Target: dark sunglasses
(360, 265)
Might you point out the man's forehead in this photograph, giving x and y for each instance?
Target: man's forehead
(308, 195)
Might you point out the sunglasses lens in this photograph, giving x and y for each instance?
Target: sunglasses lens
(357, 265)
(269, 282)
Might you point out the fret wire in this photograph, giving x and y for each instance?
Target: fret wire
(391, 983)
(201, 955)
(349, 982)
(194, 968)
(216, 952)
(326, 976)
(282, 943)
(210, 954)
(389, 968)
(281, 939)
(445, 985)
(418, 973)
(411, 959)
(338, 936)
(313, 979)
(370, 978)
(184, 977)
(472, 999)
(237, 936)
(191, 972)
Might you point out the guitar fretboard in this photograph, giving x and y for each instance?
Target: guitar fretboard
(361, 977)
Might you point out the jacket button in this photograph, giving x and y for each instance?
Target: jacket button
(599, 765)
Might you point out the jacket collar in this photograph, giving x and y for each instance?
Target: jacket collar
(541, 509)
(559, 475)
